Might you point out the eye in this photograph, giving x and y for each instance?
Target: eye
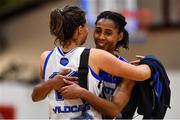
(97, 31)
(108, 33)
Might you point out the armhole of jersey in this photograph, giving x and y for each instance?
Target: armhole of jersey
(94, 74)
(45, 64)
(123, 59)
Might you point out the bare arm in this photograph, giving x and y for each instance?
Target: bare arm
(41, 90)
(122, 95)
(108, 108)
(100, 59)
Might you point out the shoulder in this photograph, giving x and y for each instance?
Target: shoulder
(101, 56)
(44, 54)
(99, 52)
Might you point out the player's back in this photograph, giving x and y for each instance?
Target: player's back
(59, 107)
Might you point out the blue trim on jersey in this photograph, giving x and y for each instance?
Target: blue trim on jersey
(95, 75)
(45, 63)
(123, 59)
(109, 78)
(60, 51)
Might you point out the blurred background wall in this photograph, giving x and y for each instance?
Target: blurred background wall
(154, 28)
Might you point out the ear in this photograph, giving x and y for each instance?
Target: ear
(80, 29)
(121, 36)
(78, 32)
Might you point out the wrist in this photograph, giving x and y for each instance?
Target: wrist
(50, 84)
(83, 93)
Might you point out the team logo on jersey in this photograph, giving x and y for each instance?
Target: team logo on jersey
(64, 61)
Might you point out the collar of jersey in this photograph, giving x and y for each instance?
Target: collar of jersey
(62, 53)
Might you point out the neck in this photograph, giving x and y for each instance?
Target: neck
(111, 51)
(69, 47)
(116, 52)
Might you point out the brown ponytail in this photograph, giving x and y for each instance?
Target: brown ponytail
(63, 23)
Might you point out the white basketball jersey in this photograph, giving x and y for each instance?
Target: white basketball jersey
(60, 108)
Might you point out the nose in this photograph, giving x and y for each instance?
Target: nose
(101, 36)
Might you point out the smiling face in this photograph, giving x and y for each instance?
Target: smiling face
(106, 35)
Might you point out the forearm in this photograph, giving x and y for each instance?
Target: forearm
(41, 90)
(116, 105)
(103, 106)
(121, 100)
(123, 92)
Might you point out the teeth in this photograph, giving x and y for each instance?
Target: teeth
(101, 44)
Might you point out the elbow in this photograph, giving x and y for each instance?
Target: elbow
(145, 74)
(37, 98)
(113, 113)
(34, 99)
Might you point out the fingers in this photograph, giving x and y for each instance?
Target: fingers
(63, 89)
(64, 72)
(66, 94)
(63, 93)
(70, 78)
(135, 62)
(60, 77)
(68, 82)
(139, 57)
